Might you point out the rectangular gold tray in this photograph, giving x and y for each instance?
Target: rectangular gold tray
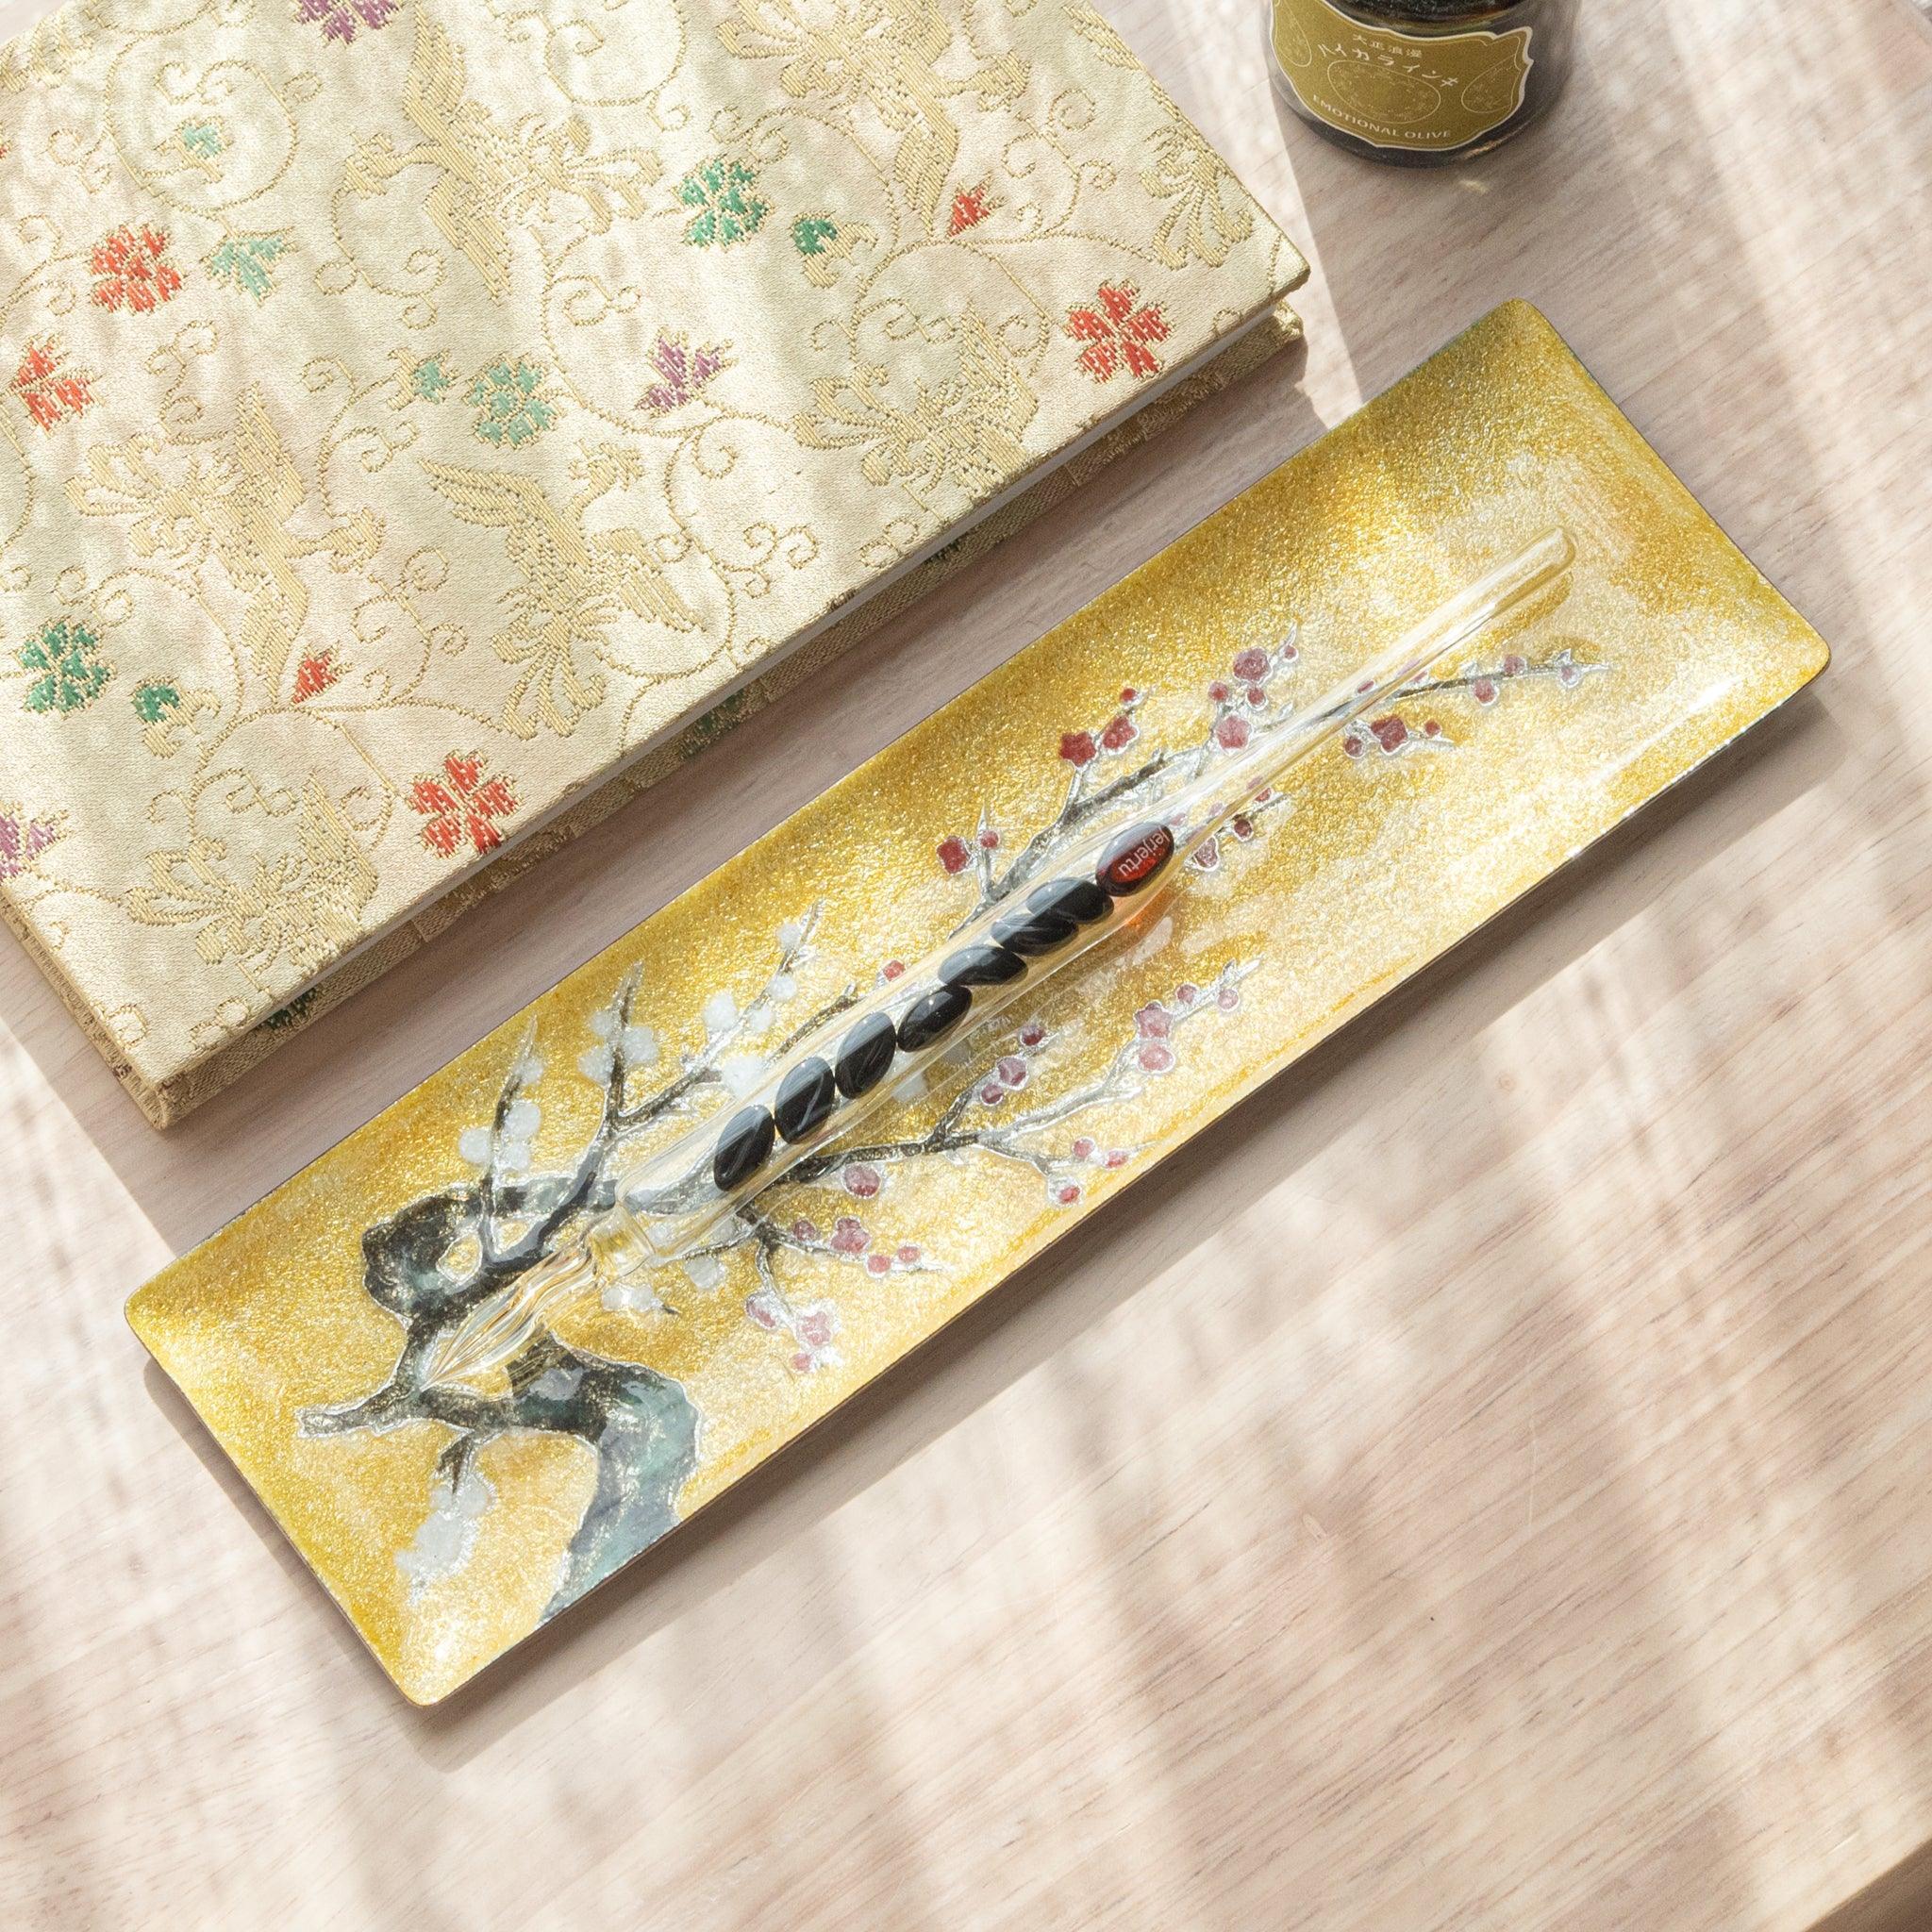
(449, 1524)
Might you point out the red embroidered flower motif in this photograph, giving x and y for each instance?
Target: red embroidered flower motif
(316, 673)
(972, 206)
(132, 270)
(1078, 748)
(468, 804)
(1231, 732)
(1118, 331)
(1120, 732)
(862, 1179)
(340, 19)
(50, 390)
(955, 855)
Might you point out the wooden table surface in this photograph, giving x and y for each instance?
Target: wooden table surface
(1331, 1536)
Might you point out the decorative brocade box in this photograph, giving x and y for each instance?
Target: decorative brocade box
(419, 417)
(450, 1521)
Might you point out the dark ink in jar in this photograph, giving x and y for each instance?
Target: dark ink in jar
(1422, 82)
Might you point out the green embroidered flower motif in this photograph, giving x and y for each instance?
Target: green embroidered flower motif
(201, 139)
(70, 675)
(812, 234)
(154, 699)
(429, 379)
(728, 210)
(509, 398)
(247, 261)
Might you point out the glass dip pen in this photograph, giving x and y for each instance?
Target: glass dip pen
(671, 1202)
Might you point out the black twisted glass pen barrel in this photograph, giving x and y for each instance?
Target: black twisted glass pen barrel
(677, 1200)
(1015, 944)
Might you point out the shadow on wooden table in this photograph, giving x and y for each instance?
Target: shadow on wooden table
(1899, 1902)
(1134, 1238)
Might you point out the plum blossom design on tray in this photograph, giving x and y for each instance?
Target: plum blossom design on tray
(823, 1236)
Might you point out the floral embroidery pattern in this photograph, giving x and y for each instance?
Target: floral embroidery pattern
(154, 699)
(22, 839)
(682, 372)
(68, 675)
(811, 233)
(132, 271)
(823, 245)
(157, 706)
(972, 206)
(248, 262)
(429, 381)
(510, 401)
(340, 19)
(728, 208)
(50, 390)
(203, 143)
(1204, 222)
(315, 673)
(1117, 331)
(462, 803)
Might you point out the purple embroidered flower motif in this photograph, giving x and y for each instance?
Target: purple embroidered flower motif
(22, 840)
(685, 372)
(340, 19)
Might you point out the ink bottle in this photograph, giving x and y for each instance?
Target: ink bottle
(1422, 82)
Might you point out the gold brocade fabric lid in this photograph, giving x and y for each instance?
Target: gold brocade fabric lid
(413, 410)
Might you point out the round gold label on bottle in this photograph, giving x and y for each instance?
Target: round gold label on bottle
(1429, 93)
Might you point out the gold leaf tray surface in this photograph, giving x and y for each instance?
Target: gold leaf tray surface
(450, 1523)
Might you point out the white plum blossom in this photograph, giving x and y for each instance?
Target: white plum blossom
(721, 1013)
(633, 1294)
(790, 935)
(447, 1537)
(596, 1064)
(640, 1047)
(521, 1118)
(474, 1144)
(603, 1023)
(742, 1074)
(706, 1271)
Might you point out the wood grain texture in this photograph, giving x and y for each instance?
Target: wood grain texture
(1487, 1481)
